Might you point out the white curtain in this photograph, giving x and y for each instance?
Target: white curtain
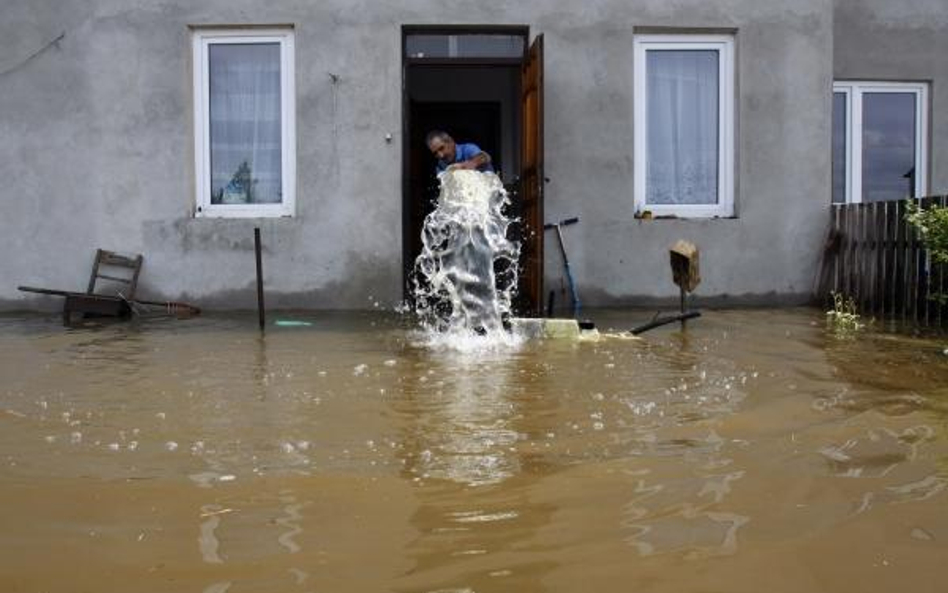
(245, 123)
(682, 105)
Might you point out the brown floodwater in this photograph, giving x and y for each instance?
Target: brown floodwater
(757, 451)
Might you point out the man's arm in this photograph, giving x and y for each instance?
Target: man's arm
(480, 159)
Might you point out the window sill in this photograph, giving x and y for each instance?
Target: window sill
(239, 213)
(648, 215)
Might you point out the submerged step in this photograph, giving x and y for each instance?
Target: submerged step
(541, 327)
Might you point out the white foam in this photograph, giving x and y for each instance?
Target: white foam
(466, 275)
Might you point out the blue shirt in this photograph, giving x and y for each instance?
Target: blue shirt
(465, 152)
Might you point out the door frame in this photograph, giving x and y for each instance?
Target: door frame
(522, 31)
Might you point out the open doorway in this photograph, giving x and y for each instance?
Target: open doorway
(467, 81)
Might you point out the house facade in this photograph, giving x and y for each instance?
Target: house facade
(175, 128)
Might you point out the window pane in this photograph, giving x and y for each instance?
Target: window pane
(888, 146)
(464, 46)
(245, 123)
(682, 127)
(427, 46)
(490, 46)
(840, 117)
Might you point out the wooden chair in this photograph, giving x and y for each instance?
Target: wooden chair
(123, 302)
(112, 260)
(115, 269)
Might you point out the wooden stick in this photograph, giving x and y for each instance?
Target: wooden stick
(171, 306)
(659, 321)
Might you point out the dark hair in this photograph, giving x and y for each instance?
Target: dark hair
(440, 134)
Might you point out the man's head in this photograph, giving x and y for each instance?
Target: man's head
(441, 145)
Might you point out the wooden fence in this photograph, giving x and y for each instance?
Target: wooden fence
(874, 256)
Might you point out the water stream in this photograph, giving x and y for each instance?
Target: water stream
(465, 277)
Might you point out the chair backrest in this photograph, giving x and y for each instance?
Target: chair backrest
(109, 260)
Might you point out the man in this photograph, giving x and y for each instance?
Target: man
(452, 155)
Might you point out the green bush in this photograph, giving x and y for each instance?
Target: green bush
(932, 226)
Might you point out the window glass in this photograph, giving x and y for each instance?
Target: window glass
(464, 46)
(427, 46)
(245, 123)
(490, 46)
(888, 146)
(682, 115)
(840, 117)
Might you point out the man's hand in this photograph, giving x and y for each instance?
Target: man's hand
(463, 165)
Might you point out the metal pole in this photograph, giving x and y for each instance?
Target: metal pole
(256, 247)
(681, 306)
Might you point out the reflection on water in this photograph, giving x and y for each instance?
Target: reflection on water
(459, 414)
(740, 455)
(208, 542)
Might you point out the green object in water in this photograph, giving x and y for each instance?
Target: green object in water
(291, 323)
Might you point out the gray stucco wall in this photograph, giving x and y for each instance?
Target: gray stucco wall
(96, 149)
(768, 253)
(900, 41)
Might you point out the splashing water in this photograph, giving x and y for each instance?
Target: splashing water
(466, 275)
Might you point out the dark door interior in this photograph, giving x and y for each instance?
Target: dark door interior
(477, 122)
(493, 100)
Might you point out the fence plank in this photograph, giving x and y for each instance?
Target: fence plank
(914, 276)
(925, 267)
(909, 271)
(884, 252)
(846, 252)
(942, 273)
(836, 255)
(892, 237)
(877, 231)
(898, 273)
(867, 258)
(858, 275)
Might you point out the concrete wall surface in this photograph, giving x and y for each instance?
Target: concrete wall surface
(96, 147)
(905, 41)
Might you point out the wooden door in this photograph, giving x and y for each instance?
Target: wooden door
(532, 180)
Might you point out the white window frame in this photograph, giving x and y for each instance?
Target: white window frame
(724, 45)
(202, 39)
(854, 91)
(847, 144)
